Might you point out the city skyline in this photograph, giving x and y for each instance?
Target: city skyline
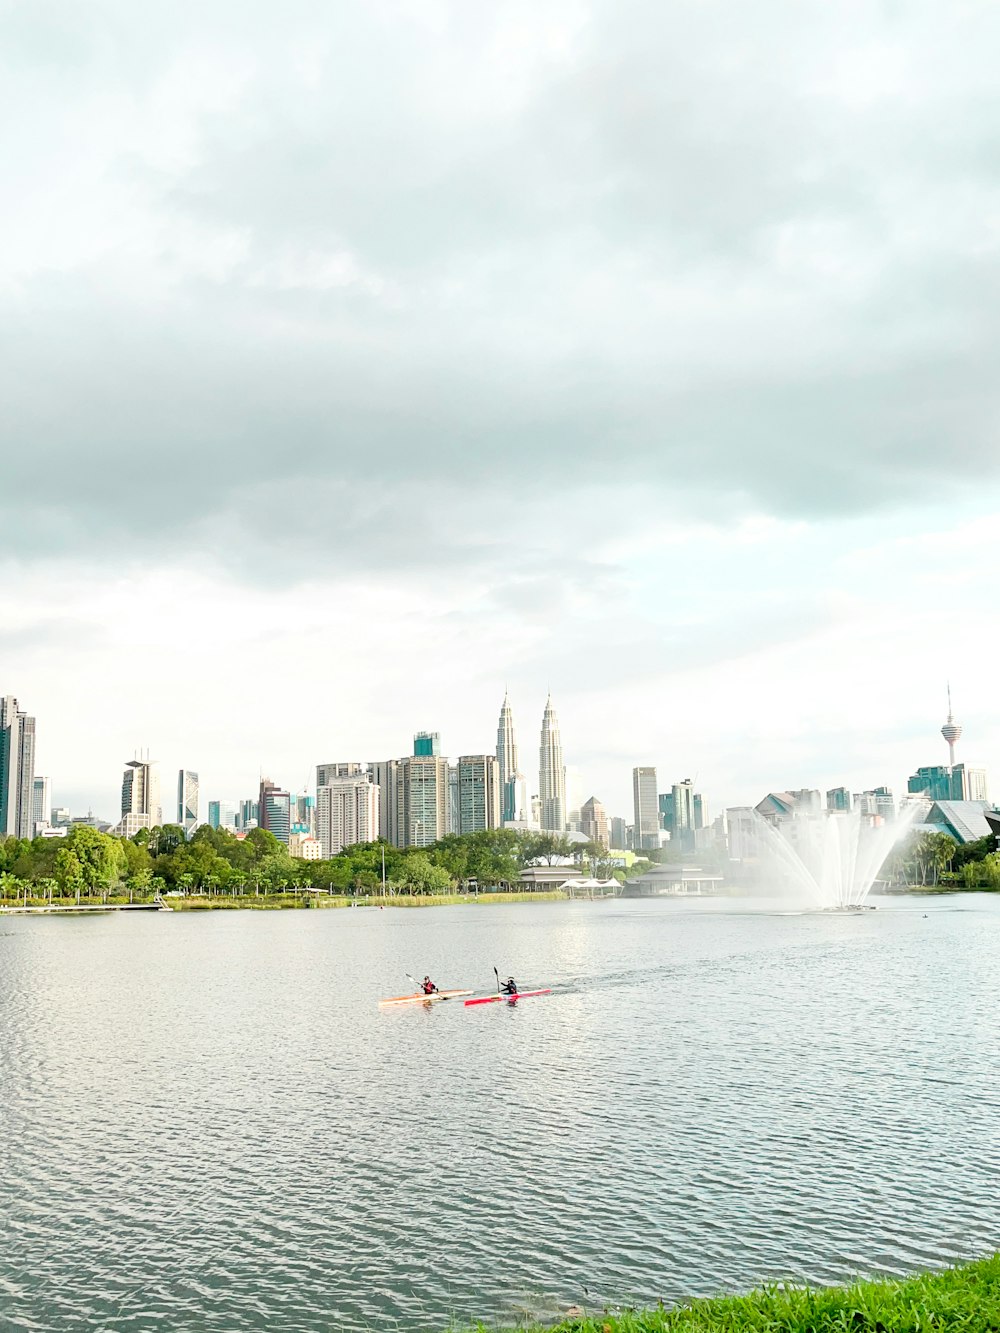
(969, 780)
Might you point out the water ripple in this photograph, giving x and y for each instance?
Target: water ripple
(202, 1130)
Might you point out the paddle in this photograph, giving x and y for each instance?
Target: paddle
(497, 977)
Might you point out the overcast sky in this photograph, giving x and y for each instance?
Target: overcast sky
(360, 358)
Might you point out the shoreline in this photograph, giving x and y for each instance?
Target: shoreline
(275, 902)
(965, 1296)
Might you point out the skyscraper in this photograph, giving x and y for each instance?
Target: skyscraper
(187, 801)
(421, 800)
(385, 775)
(248, 815)
(646, 808)
(275, 810)
(140, 797)
(427, 744)
(17, 770)
(222, 814)
(551, 773)
(507, 763)
(346, 813)
(478, 793)
(41, 802)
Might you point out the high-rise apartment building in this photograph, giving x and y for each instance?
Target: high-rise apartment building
(646, 809)
(507, 764)
(551, 773)
(478, 782)
(17, 770)
(275, 810)
(346, 813)
(187, 801)
(619, 834)
(594, 822)
(140, 797)
(838, 798)
(385, 775)
(421, 800)
(327, 773)
(427, 744)
(41, 804)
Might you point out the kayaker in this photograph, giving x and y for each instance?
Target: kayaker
(428, 987)
(509, 987)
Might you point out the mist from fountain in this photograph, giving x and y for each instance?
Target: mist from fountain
(829, 860)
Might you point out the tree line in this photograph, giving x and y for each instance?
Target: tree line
(87, 862)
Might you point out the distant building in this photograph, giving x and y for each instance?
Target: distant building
(61, 816)
(939, 783)
(346, 813)
(385, 776)
(303, 815)
(17, 770)
(304, 847)
(741, 834)
(778, 806)
(965, 821)
(275, 810)
(594, 822)
(41, 800)
(248, 815)
(478, 793)
(507, 763)
(683, 812)
(646, 808)
(326, 773)
(427, 744)
(551, 773)
(838, 798)
(619, 833)
(187, 801)
(223, 814)
(140, 797)
(421, 800)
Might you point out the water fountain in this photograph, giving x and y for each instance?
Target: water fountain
(829, 860)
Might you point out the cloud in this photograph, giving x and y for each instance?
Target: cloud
(277, 283)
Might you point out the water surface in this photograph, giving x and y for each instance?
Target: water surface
(208, 1123)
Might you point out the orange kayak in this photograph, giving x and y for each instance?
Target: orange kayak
(421, 998)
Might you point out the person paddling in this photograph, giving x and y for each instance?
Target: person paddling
(509, 987)
(428, 987)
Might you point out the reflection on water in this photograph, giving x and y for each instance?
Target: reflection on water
(208, 1122)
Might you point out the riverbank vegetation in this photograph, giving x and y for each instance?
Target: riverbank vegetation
(935, 860)
(965, 1298)
(214, 865)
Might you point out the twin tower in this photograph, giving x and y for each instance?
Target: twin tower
(551, 814)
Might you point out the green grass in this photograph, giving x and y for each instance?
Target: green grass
(965, 1299)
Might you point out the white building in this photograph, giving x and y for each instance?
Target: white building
(305, 847)
(347, 812)
(187, 801)
(141, 792)
(646, 809)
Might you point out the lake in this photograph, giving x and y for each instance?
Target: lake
(208, 1123)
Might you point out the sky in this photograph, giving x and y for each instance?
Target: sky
(361, 360)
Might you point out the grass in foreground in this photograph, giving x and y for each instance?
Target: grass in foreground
(965, 1299)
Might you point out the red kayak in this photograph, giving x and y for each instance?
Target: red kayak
(511, 999)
